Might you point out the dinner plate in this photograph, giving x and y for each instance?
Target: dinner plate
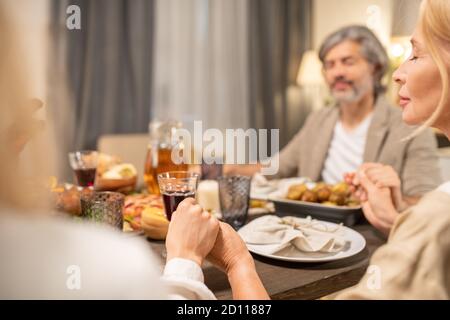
(355, 244)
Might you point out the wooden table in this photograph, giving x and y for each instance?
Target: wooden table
(287, 280)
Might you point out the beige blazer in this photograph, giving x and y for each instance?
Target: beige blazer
(415, 161)
(415, 262)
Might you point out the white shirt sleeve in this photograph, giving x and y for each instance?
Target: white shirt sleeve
(184, 279)
(445, 187)
(86, 261)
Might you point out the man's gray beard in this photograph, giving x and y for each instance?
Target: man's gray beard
(352, 97)
(356, 95)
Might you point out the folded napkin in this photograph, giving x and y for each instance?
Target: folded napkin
(306, 235)
(258, 180)
(263, 189)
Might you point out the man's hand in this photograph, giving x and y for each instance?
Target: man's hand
(382, 176)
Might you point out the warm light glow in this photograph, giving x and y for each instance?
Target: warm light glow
(400, 49)
(397, 50)
(310, 71)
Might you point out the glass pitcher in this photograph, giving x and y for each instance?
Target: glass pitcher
(159, 153)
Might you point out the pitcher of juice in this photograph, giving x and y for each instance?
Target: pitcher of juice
(159, 153)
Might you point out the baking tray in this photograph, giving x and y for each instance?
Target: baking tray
(349, 216)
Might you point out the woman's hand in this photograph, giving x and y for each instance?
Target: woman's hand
(229, 251)
(385, 176)
(377, 203)
(230, 254)
(382, 176)
(192, 232)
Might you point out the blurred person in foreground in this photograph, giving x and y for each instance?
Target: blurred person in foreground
(360, 128)
(47, 257)
(415, 262)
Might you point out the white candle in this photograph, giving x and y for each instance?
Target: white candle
(208, 195)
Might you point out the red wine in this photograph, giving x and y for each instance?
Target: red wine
(172, 200)
(86, 177)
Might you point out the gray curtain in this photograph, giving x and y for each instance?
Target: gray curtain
(280, 32)
(106, 67)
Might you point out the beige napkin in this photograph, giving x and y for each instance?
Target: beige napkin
(306, 235)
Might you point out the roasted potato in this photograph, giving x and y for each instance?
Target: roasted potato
(319, 185)
(323, 194)
(328, 195)
(341, 188)
(337, 198)
(309, 196)
(352, 201)
(295, 192)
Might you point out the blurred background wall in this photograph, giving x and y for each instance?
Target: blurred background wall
(200, 62)
(31, 19)
(231, 64)
(331, 15)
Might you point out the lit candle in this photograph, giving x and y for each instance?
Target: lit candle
(208, 195)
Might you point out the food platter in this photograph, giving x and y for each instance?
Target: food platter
(347, 215)
(348, 212)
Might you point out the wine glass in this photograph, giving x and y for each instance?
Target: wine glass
(175, 186)
(84, 165)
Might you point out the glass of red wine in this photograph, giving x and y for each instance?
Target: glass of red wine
(84, 165)
(175, 186)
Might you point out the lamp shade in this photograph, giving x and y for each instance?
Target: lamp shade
(310, 71)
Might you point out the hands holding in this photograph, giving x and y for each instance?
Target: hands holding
(194, 234)
(229, 251)
(230, 254)
(379, 190)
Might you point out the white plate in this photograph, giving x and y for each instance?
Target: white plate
(355, 244)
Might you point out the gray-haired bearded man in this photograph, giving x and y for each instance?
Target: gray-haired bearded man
(362, 128)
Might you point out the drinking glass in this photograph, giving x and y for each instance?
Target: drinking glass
(234, 197)
(103, 207)
(84, 165)
(175, 186)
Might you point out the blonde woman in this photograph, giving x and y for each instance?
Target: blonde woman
(415, 262)
(45, 257)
